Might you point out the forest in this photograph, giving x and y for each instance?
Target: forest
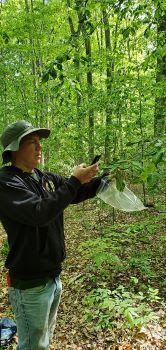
(94, 72)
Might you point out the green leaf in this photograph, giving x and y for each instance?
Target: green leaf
(45, 76)
(100, 257)
(131, 143)
(136, 164)
(147, 32)
(61, 77)
(134, 280)
(147, 170)
(59, 66)
(84, 60)
(158, 158)
(5, 37)
(120, 184)
(126, 32)
(113, 167)
(53, 72)
(59, 59)
(129, 317)
(162, 51)
(153, 180)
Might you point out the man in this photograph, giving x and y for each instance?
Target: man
(31, 210)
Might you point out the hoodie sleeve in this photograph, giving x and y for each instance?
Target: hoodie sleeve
(87, 191)
(24, 206)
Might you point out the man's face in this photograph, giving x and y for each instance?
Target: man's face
(29, 153)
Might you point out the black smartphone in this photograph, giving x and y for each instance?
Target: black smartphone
(96, 159)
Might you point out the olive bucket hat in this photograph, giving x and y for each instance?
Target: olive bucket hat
(14, 133)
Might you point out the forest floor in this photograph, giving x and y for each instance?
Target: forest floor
(139, 239)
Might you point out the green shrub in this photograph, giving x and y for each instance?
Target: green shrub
(101, 251)
(119, 308)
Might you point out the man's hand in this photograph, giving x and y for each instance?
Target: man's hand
(85, 173)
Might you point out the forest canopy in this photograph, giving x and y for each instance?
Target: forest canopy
(94, 72)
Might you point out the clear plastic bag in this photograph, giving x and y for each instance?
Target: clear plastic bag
(125, 200)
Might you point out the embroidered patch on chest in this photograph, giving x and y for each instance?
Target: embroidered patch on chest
(49, 186)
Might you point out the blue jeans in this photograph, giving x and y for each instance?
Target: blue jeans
(35, 310)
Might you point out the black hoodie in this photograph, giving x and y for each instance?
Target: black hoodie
(31, 211)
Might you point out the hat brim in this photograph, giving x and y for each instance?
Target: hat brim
(14, 146)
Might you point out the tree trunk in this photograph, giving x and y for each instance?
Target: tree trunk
(109, 73)
(82, 20)
(160, 102)
(90, 88)
(79, 143)
(33, 64)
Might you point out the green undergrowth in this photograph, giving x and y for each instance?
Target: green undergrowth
(125, 265)
(119, 308)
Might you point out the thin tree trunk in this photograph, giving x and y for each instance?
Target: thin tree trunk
(82, 18)
(90, 88)
(98, 39)
(6, 104)
(109, 73)
(141, 132)
(33, 64)
(101, 37)
(79, 142)
(160, 102)
(4, 86)
(40, 98)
